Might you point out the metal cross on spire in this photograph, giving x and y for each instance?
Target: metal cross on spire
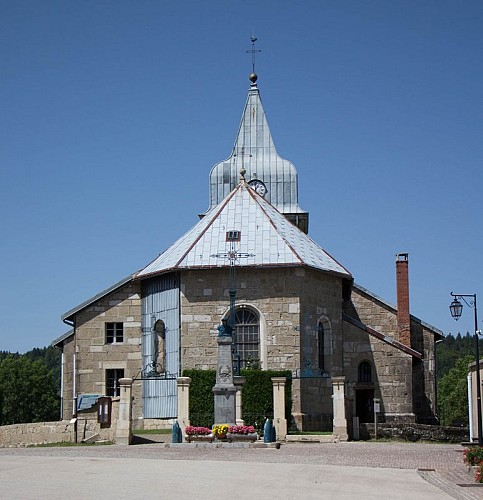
(253, 51)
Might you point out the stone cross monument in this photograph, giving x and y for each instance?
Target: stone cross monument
(224, 390)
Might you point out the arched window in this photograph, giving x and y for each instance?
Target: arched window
(247, 330)
(364, 374)
(321, 345)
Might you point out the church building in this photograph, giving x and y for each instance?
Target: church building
(295, 308)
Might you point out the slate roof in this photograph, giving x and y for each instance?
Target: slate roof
(269, 238)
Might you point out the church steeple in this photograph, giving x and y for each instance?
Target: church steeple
(271, 175)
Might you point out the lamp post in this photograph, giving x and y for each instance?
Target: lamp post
(456, 309)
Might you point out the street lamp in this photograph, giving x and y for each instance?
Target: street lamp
(456, 309)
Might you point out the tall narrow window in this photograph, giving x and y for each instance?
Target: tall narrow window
(112, 381)
(321, 345)
(247, 327)
(114, 333)
(364, 374)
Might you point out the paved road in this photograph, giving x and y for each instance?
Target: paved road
(327, 471)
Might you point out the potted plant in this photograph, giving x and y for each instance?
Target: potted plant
(242, 433)
(194, 433)
(220, 431)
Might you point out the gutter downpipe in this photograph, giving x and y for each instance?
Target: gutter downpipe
(436, 379)
(74, 376)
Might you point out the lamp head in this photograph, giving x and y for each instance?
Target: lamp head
(456, 308)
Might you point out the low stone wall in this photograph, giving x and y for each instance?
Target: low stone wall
(153, 423)
(85, 428)
(415, 432)
(39, 433)
(89, 430)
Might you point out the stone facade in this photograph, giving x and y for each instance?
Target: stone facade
(290, 303)
(275, 296)
(93, 356)
(403, 383)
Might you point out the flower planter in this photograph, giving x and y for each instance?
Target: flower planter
(203, 438)
(249, 438)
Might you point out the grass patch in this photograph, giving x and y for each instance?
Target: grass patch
(140, 432)
(64, 444)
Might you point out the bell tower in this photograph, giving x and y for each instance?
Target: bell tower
(272, 176)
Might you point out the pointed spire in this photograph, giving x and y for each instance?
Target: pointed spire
(254, 150)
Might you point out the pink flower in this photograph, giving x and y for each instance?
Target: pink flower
(241, 429)
(191, 430)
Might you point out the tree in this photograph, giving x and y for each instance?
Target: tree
(28, 391)
(453, 348)
(453, 394)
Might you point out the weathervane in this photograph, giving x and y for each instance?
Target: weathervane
(253, 51)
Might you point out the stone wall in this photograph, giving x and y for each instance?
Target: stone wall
(84, 429)
(272, 294)
(320, 302)
(406, 383)
(392, 377)
(35, 434)
(415, 432)
(290, 302)
(94, 356)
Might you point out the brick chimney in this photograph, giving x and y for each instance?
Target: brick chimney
(402, 286)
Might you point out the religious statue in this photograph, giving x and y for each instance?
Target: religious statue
(224, 330)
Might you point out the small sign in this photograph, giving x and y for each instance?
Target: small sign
(377, 407)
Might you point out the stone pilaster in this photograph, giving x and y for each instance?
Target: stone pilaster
(338, 401)
(239, 381)
(279, 420)
(183, 402)
(124, 421)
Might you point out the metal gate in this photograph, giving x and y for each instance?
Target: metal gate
(160, 301)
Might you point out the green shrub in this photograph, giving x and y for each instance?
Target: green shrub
(202, 407)
(257, 396)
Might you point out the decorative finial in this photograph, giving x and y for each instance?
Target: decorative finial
(242, 173)
(253, 51)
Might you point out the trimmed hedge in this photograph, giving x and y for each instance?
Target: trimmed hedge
(202, 404)
(257, 396)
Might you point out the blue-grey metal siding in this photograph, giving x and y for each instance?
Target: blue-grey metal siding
(160, 300)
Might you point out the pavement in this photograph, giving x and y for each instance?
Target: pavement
(376, 470)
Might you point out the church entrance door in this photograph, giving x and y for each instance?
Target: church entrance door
(365, 405)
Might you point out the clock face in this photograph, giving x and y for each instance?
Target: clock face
(258, 186)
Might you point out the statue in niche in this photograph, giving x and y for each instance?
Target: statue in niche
(159, 346)
(224, 330)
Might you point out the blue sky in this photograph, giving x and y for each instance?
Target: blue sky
(114, 112)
